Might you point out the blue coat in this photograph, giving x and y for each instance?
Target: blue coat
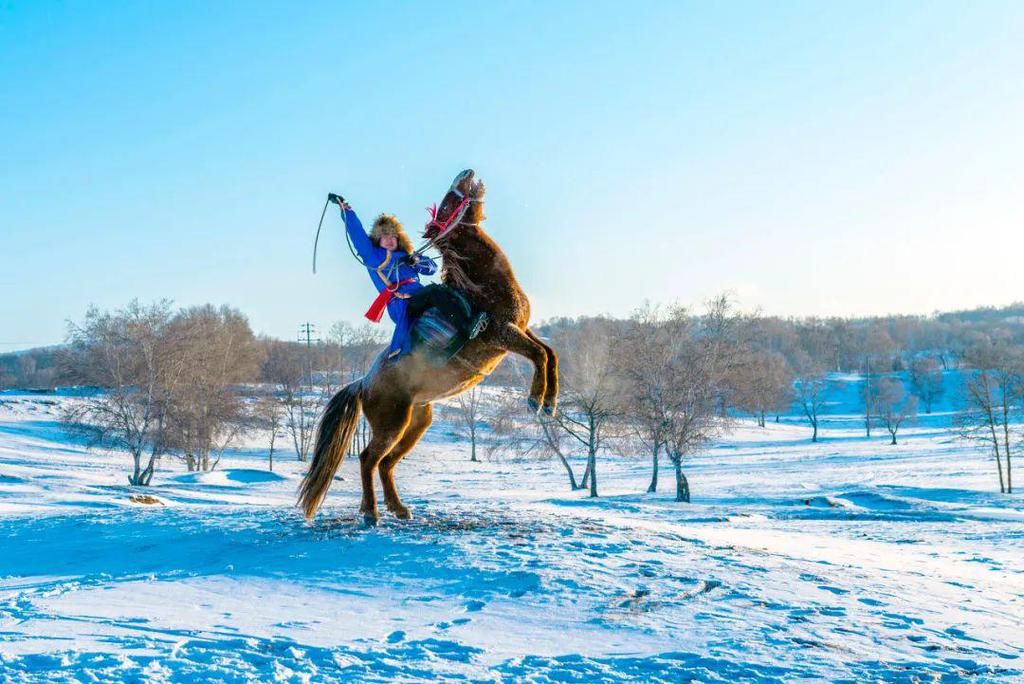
(386, 267)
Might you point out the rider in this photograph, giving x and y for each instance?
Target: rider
(395, 270)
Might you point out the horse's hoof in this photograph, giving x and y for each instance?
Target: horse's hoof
(533, 405)
(370, 519)
(549, 410)
(402, 513)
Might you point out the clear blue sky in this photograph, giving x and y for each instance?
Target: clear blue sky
(812, 157)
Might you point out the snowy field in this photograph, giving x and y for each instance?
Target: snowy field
(846, 560)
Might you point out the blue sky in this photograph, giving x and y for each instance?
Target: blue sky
(813, 158)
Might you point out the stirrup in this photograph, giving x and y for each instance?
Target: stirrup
(479, 324)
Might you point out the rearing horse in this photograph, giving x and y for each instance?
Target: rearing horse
(396, 395)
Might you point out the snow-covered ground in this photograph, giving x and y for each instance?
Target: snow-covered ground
(846, 560)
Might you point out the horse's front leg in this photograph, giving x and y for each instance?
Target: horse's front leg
(516, 341)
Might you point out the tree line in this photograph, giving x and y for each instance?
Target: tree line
(669, 382)
(190, 383)
(664, 382)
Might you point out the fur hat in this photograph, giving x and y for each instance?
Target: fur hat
(387, 224)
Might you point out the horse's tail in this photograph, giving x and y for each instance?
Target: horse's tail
(333, 434)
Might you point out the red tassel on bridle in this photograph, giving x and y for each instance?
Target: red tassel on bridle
(453, 220)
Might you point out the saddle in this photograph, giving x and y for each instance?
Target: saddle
(438, 337)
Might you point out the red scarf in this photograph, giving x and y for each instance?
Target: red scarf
(376, 310)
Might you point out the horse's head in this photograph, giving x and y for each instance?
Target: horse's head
(462, 204)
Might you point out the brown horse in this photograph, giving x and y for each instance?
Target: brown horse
(396, 395)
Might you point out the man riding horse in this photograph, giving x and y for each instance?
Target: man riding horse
(395, 270)
(397, 396)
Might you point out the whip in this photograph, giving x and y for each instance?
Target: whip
(331, 197)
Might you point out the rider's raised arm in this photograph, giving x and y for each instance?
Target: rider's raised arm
(366, 250)
(426, 266)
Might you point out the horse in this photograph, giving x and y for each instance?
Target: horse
(396, 395)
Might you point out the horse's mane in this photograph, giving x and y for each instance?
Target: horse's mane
(453, 270)
(453, 273)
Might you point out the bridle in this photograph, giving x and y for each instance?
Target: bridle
(455, 219)
(443, 228)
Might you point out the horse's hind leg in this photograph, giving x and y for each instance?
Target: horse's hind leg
(418, 424)
(388, 426)
(518, 342)
(551, 390)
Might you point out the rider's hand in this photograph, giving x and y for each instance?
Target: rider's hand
(412, 259)
(344, 206)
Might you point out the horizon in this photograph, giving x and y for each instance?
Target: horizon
(848, 161)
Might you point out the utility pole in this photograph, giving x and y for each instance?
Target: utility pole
(307, 332)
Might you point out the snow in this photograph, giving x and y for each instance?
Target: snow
(846, 560)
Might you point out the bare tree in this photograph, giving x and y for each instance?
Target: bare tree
(285, 368)
(810, 386)
(926, 380)
(510, 433)
(360, 346)
(213, 350)
(677, 371)
(590, 397)
(869, 400)
(269, 415)
(993, 391)
(893, 406)
(467, 413)
(125, 353)
(699, 381)
(645, 352)
(762, 383)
